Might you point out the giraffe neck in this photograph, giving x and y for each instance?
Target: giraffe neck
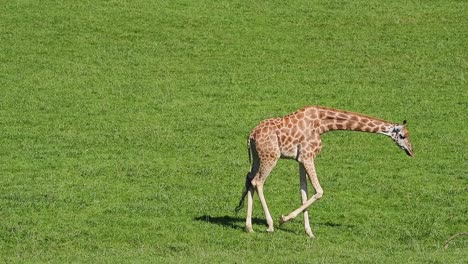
(333, 119)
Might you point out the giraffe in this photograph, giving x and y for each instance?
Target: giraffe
(297, 136)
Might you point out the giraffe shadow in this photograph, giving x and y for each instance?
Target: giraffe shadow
(227, 221)
(235, 222)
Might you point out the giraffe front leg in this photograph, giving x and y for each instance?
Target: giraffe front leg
(303, 190)
(310, 170)
(303, 185)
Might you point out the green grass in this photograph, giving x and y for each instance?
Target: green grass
(123, 128)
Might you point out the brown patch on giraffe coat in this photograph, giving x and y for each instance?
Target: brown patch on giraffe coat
(322, 128)
(322, 114)
(354, 118)
(340, 122)
(301, 138)
(316, 123)
(365, 120)
(300, 115)
(359, 126)
(293, 131)
(312, 115)
(348, 124)
(314, 145)
(301, 124)
(311, 136)
(283, 138)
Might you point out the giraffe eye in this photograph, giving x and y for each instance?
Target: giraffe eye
(401, 136)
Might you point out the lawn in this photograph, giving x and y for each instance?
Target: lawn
(123, 129)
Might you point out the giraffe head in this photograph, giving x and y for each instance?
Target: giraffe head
(400, 136)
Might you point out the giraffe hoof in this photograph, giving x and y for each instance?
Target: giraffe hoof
(270, 230)
(282, 219)
(309, 233)
(249, 229)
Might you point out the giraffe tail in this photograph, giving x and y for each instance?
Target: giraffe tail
(247, 181)
(244, 194)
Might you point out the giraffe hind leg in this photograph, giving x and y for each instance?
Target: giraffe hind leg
(258, 182)
(250, 189)
(248, 219)
(261, 168)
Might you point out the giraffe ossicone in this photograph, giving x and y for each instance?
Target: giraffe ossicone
(297, 136)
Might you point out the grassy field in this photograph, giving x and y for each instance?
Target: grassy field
(123, 127)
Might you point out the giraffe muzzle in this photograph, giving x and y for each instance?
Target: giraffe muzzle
(409, 151)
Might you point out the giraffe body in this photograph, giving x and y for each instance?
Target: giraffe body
(297, 136)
